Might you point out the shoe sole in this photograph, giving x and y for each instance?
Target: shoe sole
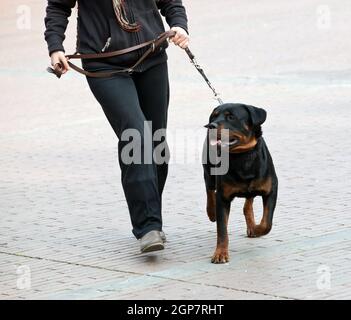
(153, 247)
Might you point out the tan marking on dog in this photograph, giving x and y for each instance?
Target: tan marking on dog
(254, 230)
(214, 114)
(246, 144)
(265, 226)
(261, 185)
(228, 190)
(249, 216)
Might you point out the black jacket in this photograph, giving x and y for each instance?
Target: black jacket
(97, 22)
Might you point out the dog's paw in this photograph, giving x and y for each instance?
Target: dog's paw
(258, 231)
(220, 256)
(251, 232)
(212, 216)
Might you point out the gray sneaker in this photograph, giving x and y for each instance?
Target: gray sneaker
(163, 236)
(152, 241)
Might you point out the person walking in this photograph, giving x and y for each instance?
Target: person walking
(128, 100)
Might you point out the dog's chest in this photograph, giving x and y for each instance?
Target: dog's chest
(260, 186)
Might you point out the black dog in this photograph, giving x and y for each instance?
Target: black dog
(251, 171)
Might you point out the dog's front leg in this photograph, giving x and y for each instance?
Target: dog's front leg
(211, 205)
(221, 254)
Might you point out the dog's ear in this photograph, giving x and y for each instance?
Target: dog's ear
(257, 115)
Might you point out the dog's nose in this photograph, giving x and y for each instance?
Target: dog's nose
(211, 125)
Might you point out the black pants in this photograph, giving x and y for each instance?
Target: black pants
(128, 101)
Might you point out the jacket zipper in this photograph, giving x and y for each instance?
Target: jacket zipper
(131, 16)
(107, 44)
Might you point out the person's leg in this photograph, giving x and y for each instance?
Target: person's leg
(153, 91)
(119, 100)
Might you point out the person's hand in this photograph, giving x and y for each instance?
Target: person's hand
(181, 37)
(58, 57)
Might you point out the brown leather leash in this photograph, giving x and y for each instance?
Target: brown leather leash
(153, 45)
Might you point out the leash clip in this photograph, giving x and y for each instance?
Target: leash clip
(216, 97)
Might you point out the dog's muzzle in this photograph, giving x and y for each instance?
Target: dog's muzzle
(211, 125)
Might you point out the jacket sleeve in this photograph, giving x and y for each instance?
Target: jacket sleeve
(56, 20)
(174, 12)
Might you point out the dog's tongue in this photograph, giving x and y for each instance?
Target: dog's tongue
(215, 142)
(221, 143)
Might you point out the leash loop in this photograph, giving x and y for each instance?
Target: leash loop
(151, 46)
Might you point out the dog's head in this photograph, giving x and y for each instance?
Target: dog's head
(243, 123)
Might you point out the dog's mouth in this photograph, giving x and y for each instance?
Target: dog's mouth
(226, 143)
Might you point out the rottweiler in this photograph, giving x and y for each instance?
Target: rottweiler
(250, 171)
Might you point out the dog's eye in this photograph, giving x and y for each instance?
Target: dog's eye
(230, 117)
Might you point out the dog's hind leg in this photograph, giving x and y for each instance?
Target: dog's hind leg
(269, 203)
(249, 217)
(265, 225)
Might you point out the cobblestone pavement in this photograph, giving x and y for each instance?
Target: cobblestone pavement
(64, 224)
